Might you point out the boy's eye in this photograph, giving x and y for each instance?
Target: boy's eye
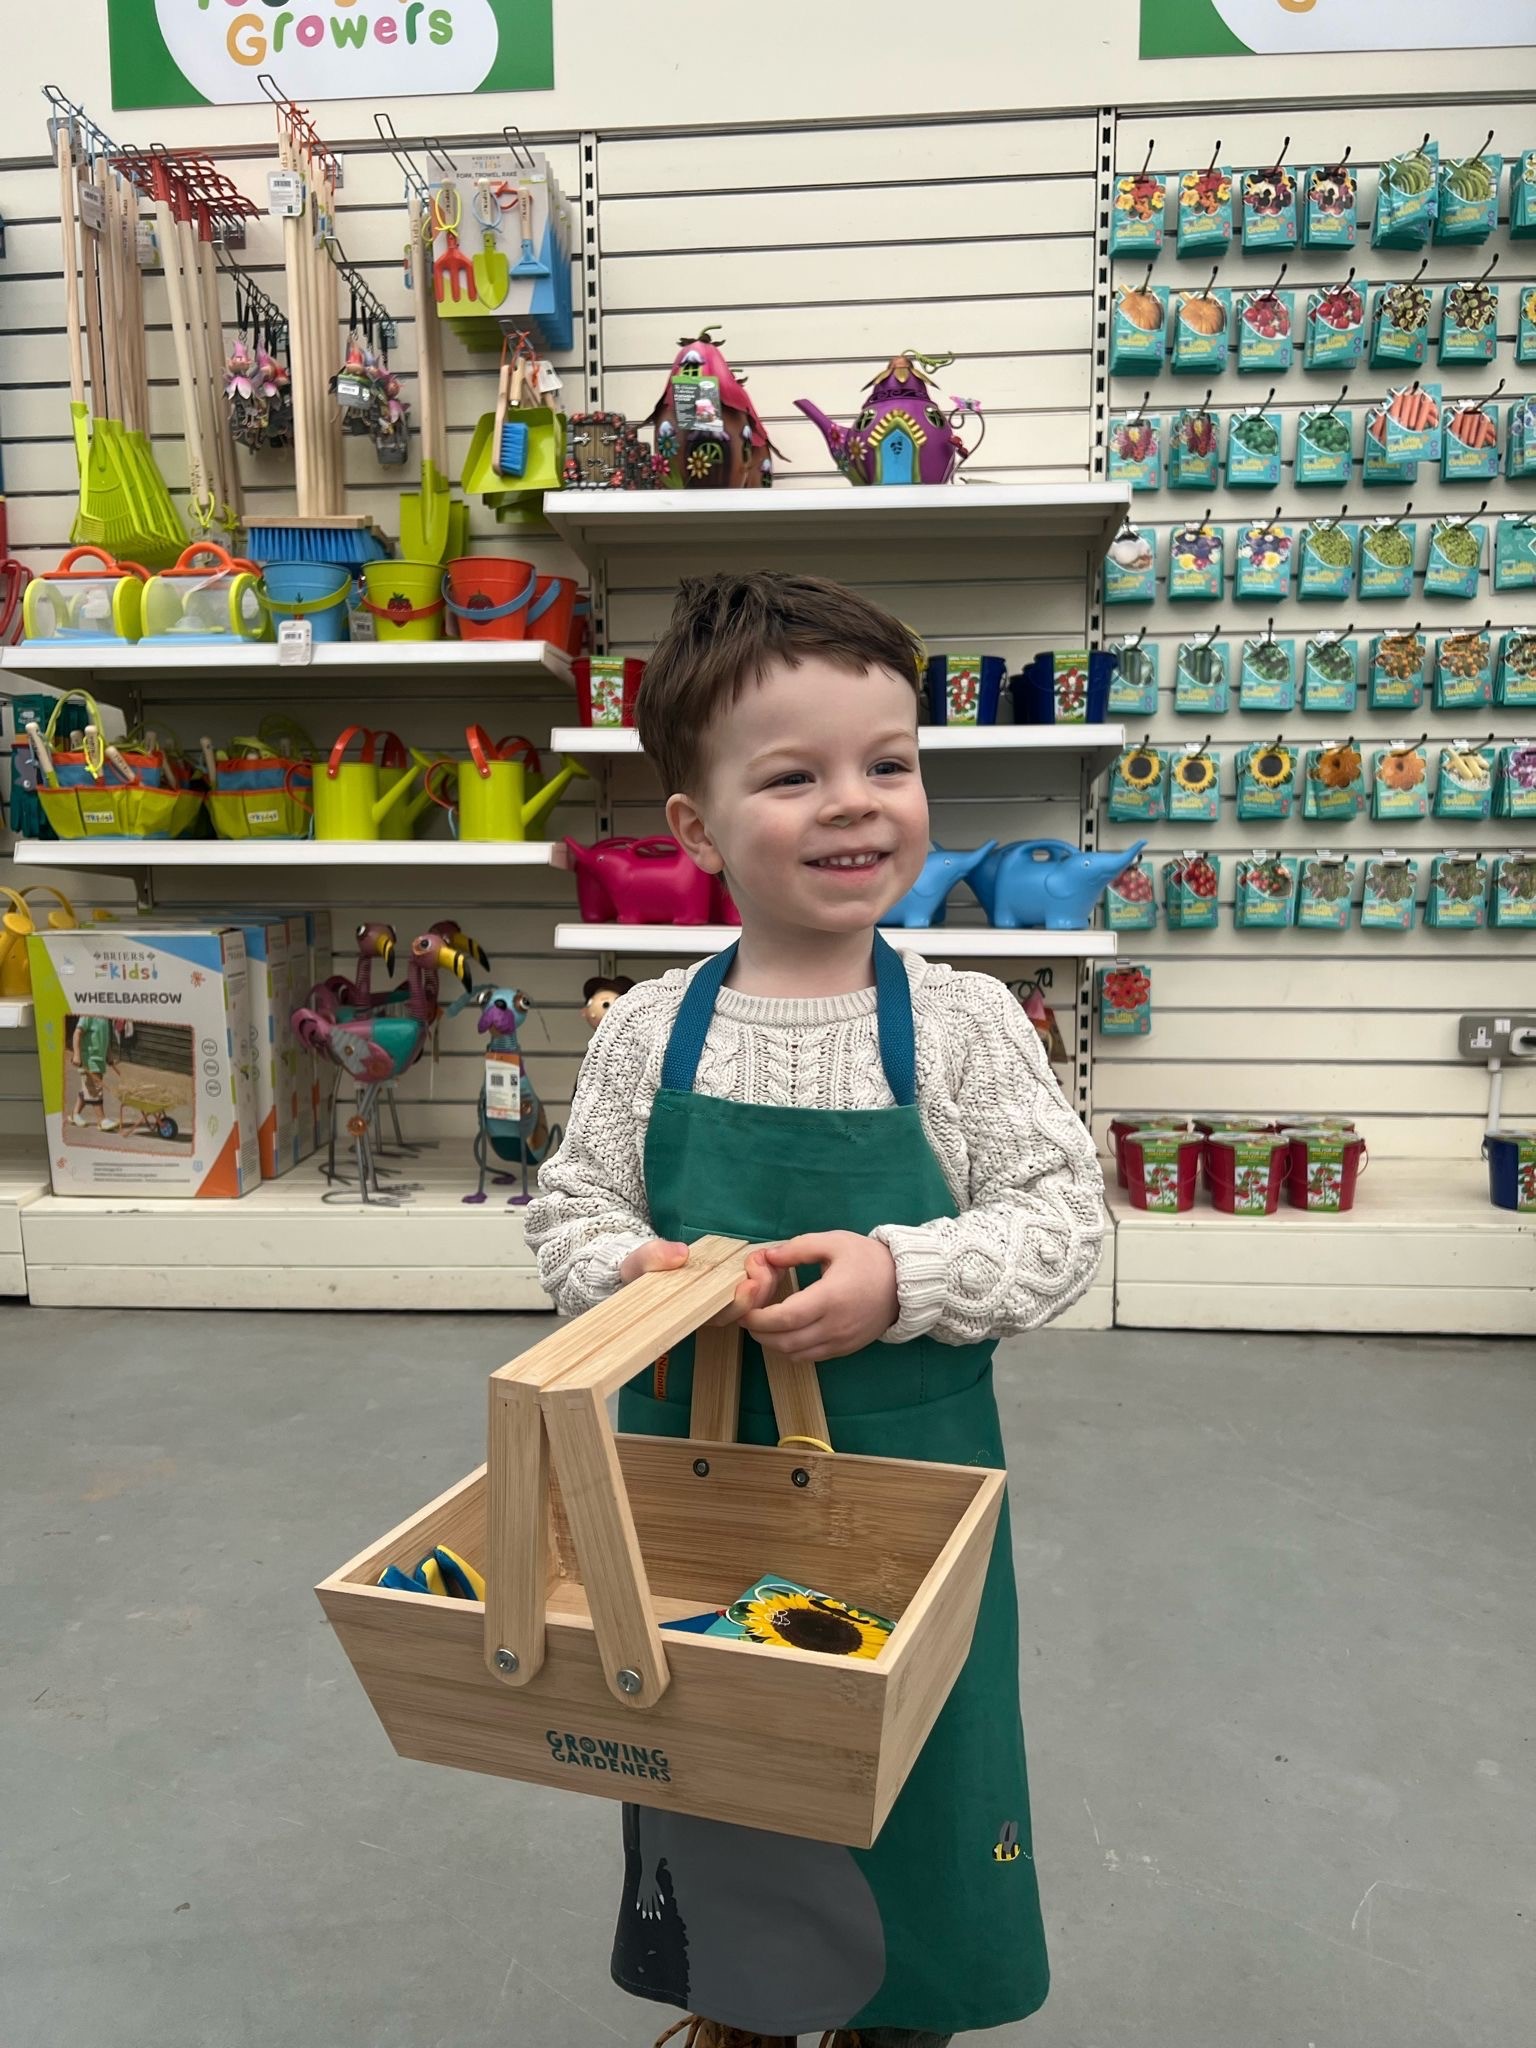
(893, 767)
(789, 781)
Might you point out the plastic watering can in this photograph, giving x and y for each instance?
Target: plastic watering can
(17, 926)
(366, 798)
(493, 799)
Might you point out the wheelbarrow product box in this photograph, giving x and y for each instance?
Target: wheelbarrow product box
(179, 999)
(565, 1676)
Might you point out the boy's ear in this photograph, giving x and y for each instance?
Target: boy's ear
(692, 834)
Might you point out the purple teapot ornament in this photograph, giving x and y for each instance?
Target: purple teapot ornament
(903, 435)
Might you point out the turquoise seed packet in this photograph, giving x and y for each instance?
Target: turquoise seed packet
(1191, 886)
(1136, 451)
(1203, 676)
(1196, 561)
(1329, 218)
(1395, 671)
(1514, 679)
(1129, 902)
(1513, 902)
(1137, 213)
(1266, 329)
(1464, 671)
(1400, 781)
(1388, 892)
(1265, 780)
(1268, 202)
(1520, 438)
(1194, 450)
(1328, 552)
(1400, 325)
(1325, 892)
(1388, 547)
(1325, 439)
(1525, 325)
(1469, 443)
(1205, 211)
(1468, 209)
(1267, 675)
(1469, 321)
(1330, 673)
(1202, 331)
(1515, 796)
(1130, 567)
(1464, 784)
(1407, 199)
(1458, 892)
(1455, 565)
(1194, 786)
(1522, 195)
(1333, 782)
(1136, 785)
(1253, 450)
(1412, 427)
(1264, 890)
(1514, 552)
(1133, 686)
(1262, 558)
(1334, 337)
(1376, 466)
(1138, 334)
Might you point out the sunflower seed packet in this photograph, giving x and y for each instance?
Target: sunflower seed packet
(1455, 565)
(1469, 197)
(1514, 552)
(1458, 892)
(1138, 333)
(1194, 787)
(1395, 671)
(1136, 785)
(1194, 450)
(1130, 567)
(1327, 559)
(1335, 328)
(1522, 195)
(1330, 673)
(1469, 321)
(1196, 561)
(1387, 550)
(1328, 212)
(1469, 445)
(1407, 199)
(1400, 325)
(794, 1617)
(1515, 795)
(1514, 681)
(1267, 675)
(1137, 214)
(1333, 784)
(1205, 211)
(1266, 780)
(1388, 892)
(1264, 894)
(1136, 452)
(1400, 781)
(1325, 442)
(1133, 686)
(1253, 451)
(1202, 677)
(1129, 902)
(1325, 892)
(1514, 889)
(1261, 565)
(1464, 786)
(1464, 671)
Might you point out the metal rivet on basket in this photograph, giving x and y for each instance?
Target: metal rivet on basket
(629, 1681)
(800, 1476)
(506, 1660)
(701, 1467)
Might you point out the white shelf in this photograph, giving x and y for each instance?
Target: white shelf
(212, 855)
(596, 523)
(507, 659)
(1100, 742)
(944, 942)
(15, 1011)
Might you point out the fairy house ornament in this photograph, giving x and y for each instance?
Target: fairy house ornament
(708, 433)
(902, 435)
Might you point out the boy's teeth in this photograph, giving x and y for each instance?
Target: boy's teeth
(848, 860)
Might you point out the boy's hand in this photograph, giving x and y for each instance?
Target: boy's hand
(853, 1303)
(656, 1255)
(662, 1255)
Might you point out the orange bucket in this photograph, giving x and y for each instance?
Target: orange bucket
(488, 597)
(552, 614)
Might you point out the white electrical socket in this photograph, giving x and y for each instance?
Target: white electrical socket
(1493, 1037)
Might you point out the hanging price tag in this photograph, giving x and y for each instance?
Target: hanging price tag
(295, 643)
(360, 625)
(285, 194)
(93, 208)
(503, 1087)
(145, 248)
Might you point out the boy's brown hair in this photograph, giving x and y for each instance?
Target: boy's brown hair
(727, 631)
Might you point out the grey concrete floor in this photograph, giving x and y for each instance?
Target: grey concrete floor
(1277, 1600)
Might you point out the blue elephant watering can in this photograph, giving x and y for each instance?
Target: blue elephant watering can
(1045, 883)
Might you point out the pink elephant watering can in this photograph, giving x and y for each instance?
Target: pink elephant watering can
(646, 881)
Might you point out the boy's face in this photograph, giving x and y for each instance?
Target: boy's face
(810, 798)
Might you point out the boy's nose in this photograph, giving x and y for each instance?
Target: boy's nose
(846, 801)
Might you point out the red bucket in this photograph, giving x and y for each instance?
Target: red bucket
(1161, 1168)
(1245, 1171)
(1324, 1167)
(1121, 1125)
(607, 685)
(552, 614)
(489, 596)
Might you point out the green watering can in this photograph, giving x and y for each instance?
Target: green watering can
(490, 801)
(364, 799)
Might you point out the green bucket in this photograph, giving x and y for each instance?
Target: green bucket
(405, 600)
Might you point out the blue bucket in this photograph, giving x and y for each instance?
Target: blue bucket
(1033, 690)
(318, 591)
(1511, 1157)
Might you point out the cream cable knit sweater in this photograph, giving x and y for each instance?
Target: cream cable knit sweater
(1019, 1163)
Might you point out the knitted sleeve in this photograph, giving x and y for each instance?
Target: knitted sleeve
(1027, 1242)
(590, 1211)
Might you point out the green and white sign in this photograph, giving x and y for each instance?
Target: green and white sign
(184, 53)
(1285, 28)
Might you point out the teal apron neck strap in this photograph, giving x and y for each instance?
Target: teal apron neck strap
(893, 1016)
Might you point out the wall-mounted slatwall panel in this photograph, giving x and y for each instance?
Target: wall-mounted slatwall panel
(1294, 1021)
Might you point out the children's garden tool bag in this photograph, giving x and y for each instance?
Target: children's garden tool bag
(250, 791)
(590, 1544)
(79, 754)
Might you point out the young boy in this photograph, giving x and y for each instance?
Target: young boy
(896, 1124)
(91, 1050)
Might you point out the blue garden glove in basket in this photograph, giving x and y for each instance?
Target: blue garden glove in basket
(442, 1572)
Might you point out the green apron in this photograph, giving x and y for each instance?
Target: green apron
(937, 1927)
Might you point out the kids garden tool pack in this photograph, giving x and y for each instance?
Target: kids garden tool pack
(512, 212)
